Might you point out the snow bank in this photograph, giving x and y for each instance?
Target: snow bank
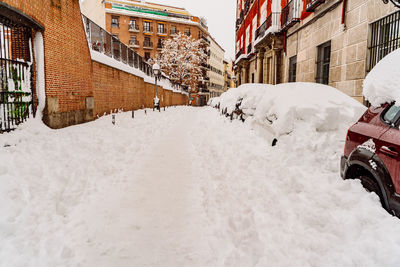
(382, 84)
(279, 108)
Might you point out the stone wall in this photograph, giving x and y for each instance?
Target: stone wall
(349, 42)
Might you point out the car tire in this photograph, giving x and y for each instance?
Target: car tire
(371, 186)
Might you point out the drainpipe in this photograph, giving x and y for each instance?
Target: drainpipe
(344, 13)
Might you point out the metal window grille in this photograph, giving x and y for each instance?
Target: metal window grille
(16, 74)
(384, 37)
(323, 63)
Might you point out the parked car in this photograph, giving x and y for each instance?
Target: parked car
(372, 154)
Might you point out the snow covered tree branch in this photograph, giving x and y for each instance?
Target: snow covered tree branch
(181, 58)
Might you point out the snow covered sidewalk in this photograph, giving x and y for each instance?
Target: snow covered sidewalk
(185, 187)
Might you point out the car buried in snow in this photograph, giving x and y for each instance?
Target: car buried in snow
(371, 154)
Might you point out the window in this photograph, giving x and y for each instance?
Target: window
(147, 26)
(160, 43)
(147, 42)
(146, 56)
(384, 37)
(187, 31)
(133, 40)
(161, 28)
(115, 22)
(252, 78)
(390, 115)
(133, 25)
(292, 69)
(173, 30)
(323, 62)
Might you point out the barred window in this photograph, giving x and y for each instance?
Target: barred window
(384, 37)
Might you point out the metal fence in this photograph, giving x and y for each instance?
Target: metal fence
(16, 75)
(272, 20)
(290, 14)
(102, 41)
(384, 37)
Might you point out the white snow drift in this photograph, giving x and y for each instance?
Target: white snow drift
(188, 187)
(382, 84)
(277, 108)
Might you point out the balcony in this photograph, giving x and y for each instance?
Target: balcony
(133, 28)
(239, 53)
(249, 49)
(247, 6)
(311, 5)
(204, 38)
(269, 26)
(290, 14)
(148, 45)
(148, 30)
(134, 43)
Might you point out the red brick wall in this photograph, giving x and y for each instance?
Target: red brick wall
(67, 57)
(70, 75)
(115, 89)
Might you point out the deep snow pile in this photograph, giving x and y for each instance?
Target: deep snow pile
(382, 84)
(185, 187)
(278, 108)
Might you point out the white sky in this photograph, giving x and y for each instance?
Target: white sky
(220, 15)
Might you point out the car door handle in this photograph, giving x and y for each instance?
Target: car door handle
(391, 152)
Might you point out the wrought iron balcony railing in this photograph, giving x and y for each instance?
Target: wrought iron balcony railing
(290, 14)
(102, 42)
(134, 43)
(148, 29)
(249, 48)
(239, 53)
(311, 5)
(271, 24)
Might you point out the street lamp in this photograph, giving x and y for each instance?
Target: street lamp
(157, 72)
(395, 2)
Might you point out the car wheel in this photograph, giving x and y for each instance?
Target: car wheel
(371, 186)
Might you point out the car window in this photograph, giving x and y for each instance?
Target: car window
(391, 113)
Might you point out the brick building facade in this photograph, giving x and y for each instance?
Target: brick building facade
(74, 84)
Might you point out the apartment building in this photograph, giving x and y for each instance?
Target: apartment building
(334, 42)
(143, 25)
(228, 76)
(216, 68)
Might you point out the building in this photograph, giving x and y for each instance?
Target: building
(143, 26)
(216, 69)
(333, 42)
(229, 82)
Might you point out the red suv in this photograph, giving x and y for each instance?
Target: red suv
(372, 154)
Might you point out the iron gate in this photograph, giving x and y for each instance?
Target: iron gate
(16, 74)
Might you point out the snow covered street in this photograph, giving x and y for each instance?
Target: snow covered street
(184, 187)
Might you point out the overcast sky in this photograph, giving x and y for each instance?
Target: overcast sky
(220, 15)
